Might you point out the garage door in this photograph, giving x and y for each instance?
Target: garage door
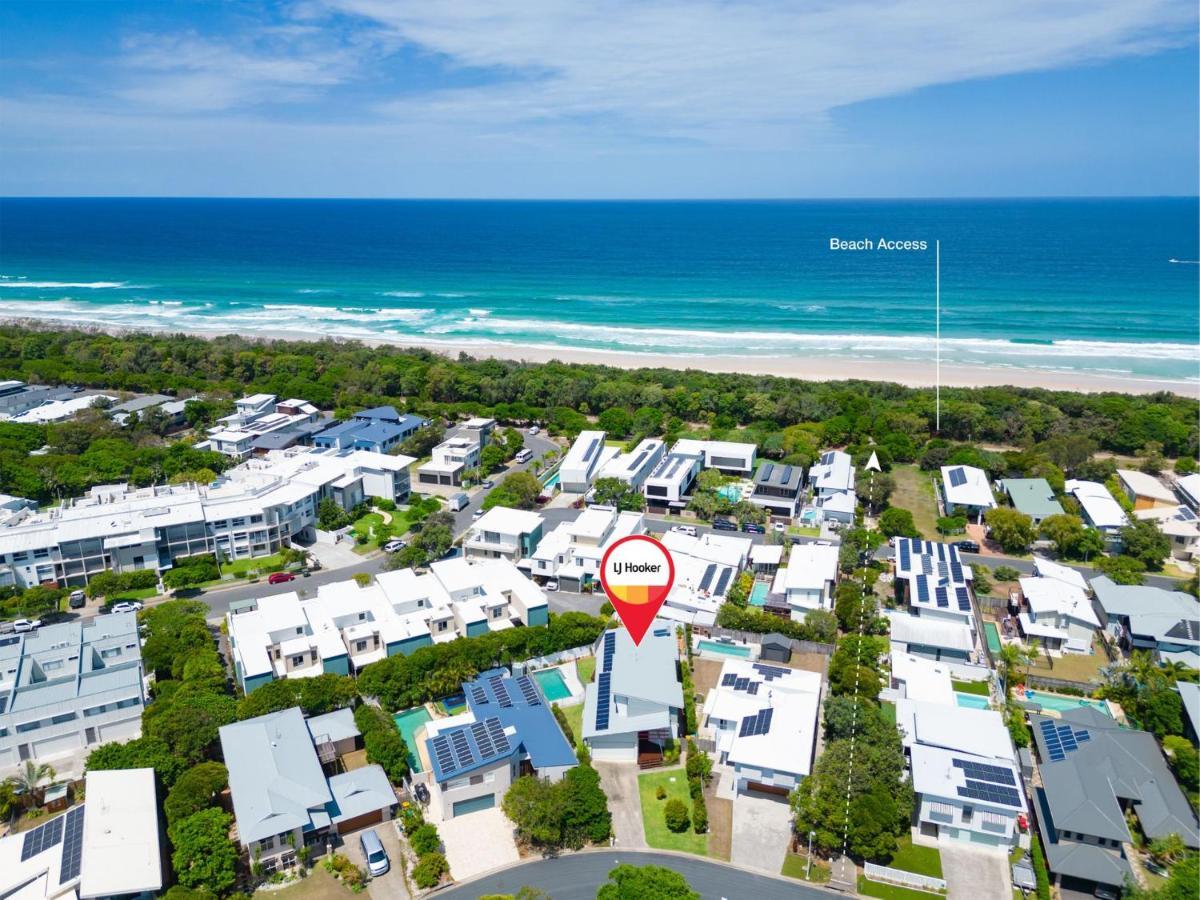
(475, 804)
(58, 745)
(372, 818)
(757, 787)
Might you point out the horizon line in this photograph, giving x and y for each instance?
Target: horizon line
(585, 199)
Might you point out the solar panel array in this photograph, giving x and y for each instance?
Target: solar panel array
(756, 724)
(1062, 739)
(905, 557)
(753, 688)
(770, 672)
(610, 647)
(984, 772)
(501, 691)
(723, 581)
(443, 754)
(479, 695)
(499, 738)
(990, 793)
(483, 740)
(923, 590)
(727, 680)
(958, 477)
(603, 699)
(708, 576)
(964, 599)
(42, 838)
(940, 596)
(528, 691)
(72, 851)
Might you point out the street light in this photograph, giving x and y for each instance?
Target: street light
(808, 868)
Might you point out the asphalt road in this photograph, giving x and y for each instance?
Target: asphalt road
(579, 875)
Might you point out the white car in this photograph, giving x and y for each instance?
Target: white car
(478, 514)
(20, 626)
(127, 606)
(533, 429)
(552, 585)
(376, 857)
(780, 527)
(689, 530)
(393, 546)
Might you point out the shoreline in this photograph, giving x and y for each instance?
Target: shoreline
(815, 368)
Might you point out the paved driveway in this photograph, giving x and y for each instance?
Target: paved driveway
(762, 829)
(975, 873)
(478, 842)
(390, 884)
(620, 783)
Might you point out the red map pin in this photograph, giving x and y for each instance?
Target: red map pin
(637, 573)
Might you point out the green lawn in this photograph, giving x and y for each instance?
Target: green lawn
(574, 716)
(136, 594)
(889, 711)
(805, 530)
(585, 666)
(916, 859)
(972, 687)
(914, 492)
(250, 564)
(657, 834)
(795, 864)
(891, 891)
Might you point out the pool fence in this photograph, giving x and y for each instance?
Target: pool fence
(753, 637)
(905, 879)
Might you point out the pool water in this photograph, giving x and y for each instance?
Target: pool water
(553, 685)
(993, 636)
(408, 722)
(731, 492)
(552, 481)
(809, 516)
(1062, 703)
(758, 593)
(971, 701)
(727, 649)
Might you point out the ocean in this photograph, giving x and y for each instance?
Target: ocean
(1105, 286)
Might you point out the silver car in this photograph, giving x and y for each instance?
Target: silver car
(376, 857)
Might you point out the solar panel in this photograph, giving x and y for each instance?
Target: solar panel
(753, 689)
(956, 571)
(958, 477)
(723, 581)
(905, 559)
(42, 838)
(499, 738)
(479, 695)
(964, 599)
(747, 727)
(741, 684)
(610, 646)
(462, 750)
(708, 576)
(482, 741)
(501, 691)
(767, 469)
(983, 772)
(528, 691)
(727, 680)
(922, 590)
(764, 720)
(991, 793)
(443, 754)
(603, 698)
(591, 448)
(1082, 736)
(72, 851)
(770, 672)
(942, 600)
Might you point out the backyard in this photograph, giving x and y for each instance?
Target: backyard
(674, 782)
(585, 666)
(1072, 666)
(979, 688)
(914, 492)
(574, 716)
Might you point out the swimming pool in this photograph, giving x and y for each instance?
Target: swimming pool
(726, 649)
(1063, 703)
(552, 481)
(971, 701)
(758, 593)
(809, 517)
(993, 636)
(552, 683)
(408, 723)
(731, 492)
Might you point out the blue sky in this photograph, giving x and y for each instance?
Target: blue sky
(610, 98)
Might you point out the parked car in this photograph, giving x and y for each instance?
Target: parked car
(724, 525)
(487, 483)
(126, 606)
(77, 599)
(478, 514)
(552, 585)
(458, 501)
(780, 527)
(968, 546)
(822, 543)
(393, 546)
(753, 528)
(377, 858)
(21, 626)
(280, 578)
(533, 429)
(689, 530)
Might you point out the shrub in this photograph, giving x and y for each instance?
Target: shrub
(660, 793)
(1006, 573)
(430, 868)
(425, 839)
(567, 730)
(699, 814)
(195, 790)
(382, 741)
(362, 579)
(345, 871)
(675, 813)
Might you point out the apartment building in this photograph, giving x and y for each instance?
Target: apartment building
(380, 429)
(257, 415)
(779, 489)
(571, 554)
(668, 487)
(251, 510)
(634, 468)
(503, 533)
(66, 688)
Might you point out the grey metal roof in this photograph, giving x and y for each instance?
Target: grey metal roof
(1032, 496)
(274, 774)
(360, 791)
(337, 725)
(779, 476)
(1171, 617)
(1189, 692)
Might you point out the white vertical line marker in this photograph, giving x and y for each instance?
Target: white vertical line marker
(938, 340)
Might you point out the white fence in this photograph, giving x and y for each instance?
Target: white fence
(906, 879)
(553, 659)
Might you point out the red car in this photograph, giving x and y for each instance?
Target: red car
(280, 578)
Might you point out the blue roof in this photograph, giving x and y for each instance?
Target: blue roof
(377, 432)
(338, 430)
(511, 717)
(385, 413)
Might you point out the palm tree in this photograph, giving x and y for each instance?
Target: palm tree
(1012, 657)
(27, 780)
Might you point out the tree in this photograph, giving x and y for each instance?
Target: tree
(1006, 573)
(1066, 531)
(195, 790)
(897, 522)
(675, 814)
(739, 592)
(330, 516)
(1142, 540)
(531, 804)
(141, 753)
(854, 606)
(951, 524)
(618, 493)
(492, 457)
(204, 856)
(518, 490)
(1011, 529)
(384, 745)
(1122, 569)
(425, 839)
(315, 696)
(28, 780)
(627, 882)
(875, 488)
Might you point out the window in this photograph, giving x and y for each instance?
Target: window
(24, 727)
(52, 665)
(441, 626)
(267, 843)
(62, 717)
(110, 652)
(967, 813)
(297, 660)
(360, 646)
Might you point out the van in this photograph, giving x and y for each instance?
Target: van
(373, 852)
(458, 501)
(77, 599)
(524, 455)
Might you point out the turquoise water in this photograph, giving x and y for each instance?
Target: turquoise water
(553, 685)
(408, 722)
(552, 481)
(1062, 284)
(808, 516)
(725, 649)
(1062, 703)
(730, 492)
(758, 593)
(971, 701)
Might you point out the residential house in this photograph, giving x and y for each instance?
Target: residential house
(1094, 772)
(571, 554)
(633, 706)
(966, 491)
(964, 771)
(730, 457)
(669, 486)
(763, 721)
(503, 533)
(1057, 609)
(954, 643)
(66, 688)
(831, 481)
(255, 416)
(808, 579)
(17, 397)
(1180, 524)
(919, 678)
(1188, 488)
(1100, 510)
(1189, 693)
(1141, 617)
(1144, 491)
(634, 468)
(61, 410)
(450, 461)
(380, 429)
(108, 847)
(1032, 496)
(585, 458)
(765, 558)
(705, 569)
(284, 798)
(779, 489)
(508, 731)
(933, 581)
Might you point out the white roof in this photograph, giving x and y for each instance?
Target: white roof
(924, 679)
(1048, 569)
(934, 774)
(505, 520)
(931, 632)
(120, 834)
(973, 489)
(693, 447)
(635, 464)
(726, 550)
(766, 554)
(810, 567)
(1144, 485)
(55, 410)
(587, 440)
(1102, 509)
(1049, 595)
(1189, 486)
(593, 523)
(833, 472)
(980, 732)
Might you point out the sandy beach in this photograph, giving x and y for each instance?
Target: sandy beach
(909, 374)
